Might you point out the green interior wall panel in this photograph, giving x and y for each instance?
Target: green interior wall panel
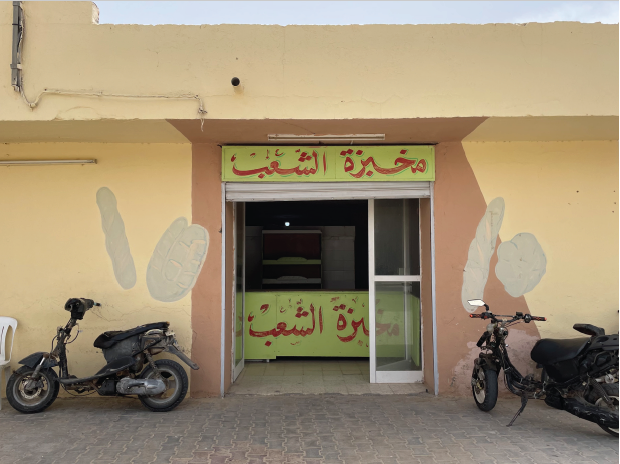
(328, 324)
(331, 324)
(393, 328)
(260, 317)
(238, 325)
(306, 324)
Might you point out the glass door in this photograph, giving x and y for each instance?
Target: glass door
(394, 291)
(239, 294)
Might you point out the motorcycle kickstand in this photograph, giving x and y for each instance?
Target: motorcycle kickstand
(523, 404)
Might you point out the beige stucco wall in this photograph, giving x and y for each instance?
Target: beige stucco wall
(534, 82)
(309, 72)
(53, 247)
(566, 194)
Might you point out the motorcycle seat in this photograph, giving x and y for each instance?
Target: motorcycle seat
(109, 339)
(589, 329)
(551, 351)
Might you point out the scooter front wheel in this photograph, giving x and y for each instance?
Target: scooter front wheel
(31, 398)
(176, 379)
(484, 387)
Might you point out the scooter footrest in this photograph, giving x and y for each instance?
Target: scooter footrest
(73, 380)
(112, 367)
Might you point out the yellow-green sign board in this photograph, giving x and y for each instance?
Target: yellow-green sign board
(328, 164)
(324, 323)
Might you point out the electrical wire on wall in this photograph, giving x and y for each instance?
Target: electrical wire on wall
(18, 76)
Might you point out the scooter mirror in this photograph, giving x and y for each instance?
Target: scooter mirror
(476, 302)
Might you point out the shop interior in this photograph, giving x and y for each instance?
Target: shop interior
(305, 293)
(334, 243)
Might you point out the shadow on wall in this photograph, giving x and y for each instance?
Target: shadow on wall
(479, 255)
(520, 345)
(521, 261)
(521, 266)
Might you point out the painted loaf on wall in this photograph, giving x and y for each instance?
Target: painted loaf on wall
(521, 264)
(116, 242)
(177, 260)
(480, 251)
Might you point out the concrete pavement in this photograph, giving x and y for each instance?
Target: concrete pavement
(329, 428)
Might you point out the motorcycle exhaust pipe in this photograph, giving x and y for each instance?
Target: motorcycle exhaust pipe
(580, 408)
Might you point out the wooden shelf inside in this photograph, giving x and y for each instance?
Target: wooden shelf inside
(292, 280)
(290, 260)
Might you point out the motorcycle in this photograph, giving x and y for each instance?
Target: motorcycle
(161, 385)
(579, 375)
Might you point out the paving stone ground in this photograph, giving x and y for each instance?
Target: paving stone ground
(300, 428)
(307, 376)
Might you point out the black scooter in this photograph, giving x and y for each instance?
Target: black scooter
(579, 375)
(161, 386)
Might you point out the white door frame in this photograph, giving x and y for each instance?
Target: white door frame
(371, 194)
(223, 297)
(371, 292)
(237, 368)
(386, 376)
(434, 306)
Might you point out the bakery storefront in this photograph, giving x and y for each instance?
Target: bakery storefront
(332, 256)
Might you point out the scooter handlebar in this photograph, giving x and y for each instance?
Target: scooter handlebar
(484, 315)
(89, 303)
(526, 317)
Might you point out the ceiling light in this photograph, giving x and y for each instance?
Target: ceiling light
(40, 162)
(287, 224)
(323, 138)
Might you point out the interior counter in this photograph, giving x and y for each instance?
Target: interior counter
(323, 323)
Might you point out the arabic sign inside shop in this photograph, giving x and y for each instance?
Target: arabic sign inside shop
(328, 164)
(327, 324)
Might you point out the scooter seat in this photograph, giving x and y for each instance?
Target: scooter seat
(109, 339)
(551, 351)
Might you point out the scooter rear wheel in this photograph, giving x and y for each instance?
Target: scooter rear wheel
(484, 387)
(177, 381)
(33, 400)
(612, 391)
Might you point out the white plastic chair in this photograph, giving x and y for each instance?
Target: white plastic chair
(5, 324)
